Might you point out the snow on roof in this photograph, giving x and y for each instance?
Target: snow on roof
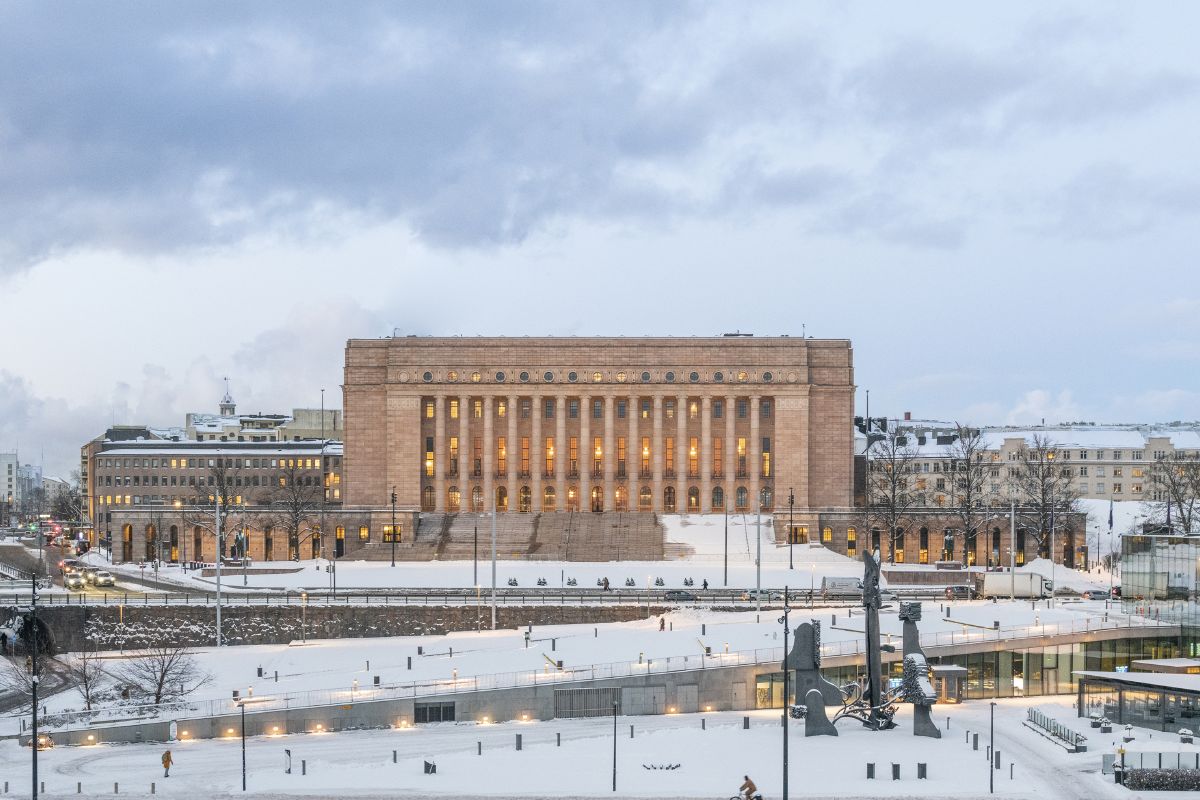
(190, 448)
(1157, 680)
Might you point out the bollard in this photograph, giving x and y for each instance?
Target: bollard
(553, 644)
(43, 783)
(702, 723)
(518, 741)
(303, 767)
(479, 748)
(115, 788)
(895, 772)
(947, 723)
(987, 752)
(420, 650)
(393, 756)
(630, 731)
(151, 787)
(78, 787)
(968, 737)
(452, 652)
(997, 759)
(410, 662)
(922, 771)
(595, 633)
(703, 629)
(975, 742)
(558, 740)
(870, 771)
(277, 676)
(745, 723)
(260, 671)
(1010, 770)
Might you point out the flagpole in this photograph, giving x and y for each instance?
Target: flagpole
(1111, 560)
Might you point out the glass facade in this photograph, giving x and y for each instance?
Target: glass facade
(1018, 673)
(1159, 579)
(1126, 703)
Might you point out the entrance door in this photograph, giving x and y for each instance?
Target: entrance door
(597, 499)
(339, 543)
(737, 697)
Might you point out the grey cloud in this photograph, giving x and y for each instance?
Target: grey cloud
(1108, 201)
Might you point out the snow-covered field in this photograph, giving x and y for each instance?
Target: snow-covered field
(710, 760)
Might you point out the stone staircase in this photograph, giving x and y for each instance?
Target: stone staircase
(561, 536)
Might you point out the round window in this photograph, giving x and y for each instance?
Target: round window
(499, 377)
(620, 377)
(524, 377)
(427, 377)
(572, 376)
(694, 377)
(767, 377)
(597, 377)
(452, 375)
(476, 377)
(718, 376)
(645, 377)
(670, 377)
(548, 376)
(742, 376)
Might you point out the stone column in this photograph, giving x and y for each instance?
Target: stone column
(585, 453)
(731, 479)
(656, 453)
(633, 455)
(465, 481)
(681, 454)
(706, 454)
(610, 454)
(489, 456)
(440, 409)
(513, 451)
(560, 453)
(537, 452)
(755, 452)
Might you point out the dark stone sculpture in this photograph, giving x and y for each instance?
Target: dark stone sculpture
(816, 721)
(805, 660)
(915, 687)
(873, 692)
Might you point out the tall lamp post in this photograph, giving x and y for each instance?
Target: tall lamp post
(33, 682)
(791, 529)
(393, 531)
(786, 688)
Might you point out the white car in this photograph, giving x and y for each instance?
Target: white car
(104, 578)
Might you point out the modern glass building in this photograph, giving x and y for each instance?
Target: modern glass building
(1146, 699)
(1160, 577)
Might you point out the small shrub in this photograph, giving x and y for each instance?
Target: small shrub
(1167, 780)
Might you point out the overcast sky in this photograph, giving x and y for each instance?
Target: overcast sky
(997, 203)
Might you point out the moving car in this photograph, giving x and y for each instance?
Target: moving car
(960, 593)
(68, 565)
(89, 574)
(1094, 594)
(73, 580)
(679, 595)
(104, 578)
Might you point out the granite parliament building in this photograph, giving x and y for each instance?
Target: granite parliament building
(625, 428)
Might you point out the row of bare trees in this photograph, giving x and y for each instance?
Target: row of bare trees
(974, 487)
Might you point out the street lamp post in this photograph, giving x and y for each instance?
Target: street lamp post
(243, 705)
(791, 537)
(304, 617)
(726, 504)
(614, 748)
(786, 629)
(992, 754)
(33, 680)
(220, 551)
(393, 534)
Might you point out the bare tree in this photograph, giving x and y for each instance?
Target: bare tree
(1175, 484)
(17, 680)
(86, 672)
(293, 504)
(163, 673)
(221, 488)
(67, 502)
(1044, 489)
(970, 468)
(890, 496)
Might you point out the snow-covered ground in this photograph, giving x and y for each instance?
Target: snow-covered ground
(706, 762)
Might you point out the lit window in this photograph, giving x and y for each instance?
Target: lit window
(476, 377)
(620, 377)
(452, 375)
(596, 377)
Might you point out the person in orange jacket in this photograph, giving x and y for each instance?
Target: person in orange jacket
(167, 761)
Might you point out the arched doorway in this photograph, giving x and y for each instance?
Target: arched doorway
(127, 542)
(621, 497)
(174, 534)
(525, 500)
(197, 544)
(477, 499)
(548, 499)
(597, 499)
(151, 543)
(501, 498)
(453, 499)
(572, 499)
(718, 499)
(693, 504)
(268, 544)
(766, 498)
(645, 499)
(428, 501)
(741, 499)
(669, 499)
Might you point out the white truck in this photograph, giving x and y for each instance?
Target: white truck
(1015, 584)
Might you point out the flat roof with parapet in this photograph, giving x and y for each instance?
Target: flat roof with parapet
(1147, 680)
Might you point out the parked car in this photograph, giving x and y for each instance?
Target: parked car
(960, 592)
(767, 594)
(105, 578)
(679, 596)
(1094, 594)
(73, 580)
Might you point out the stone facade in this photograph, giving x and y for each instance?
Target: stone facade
(694, 425)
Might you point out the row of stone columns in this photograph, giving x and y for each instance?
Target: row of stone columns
(586, 452)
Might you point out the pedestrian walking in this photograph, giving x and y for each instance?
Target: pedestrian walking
(167, 761)
(705, 584)
(662, 623)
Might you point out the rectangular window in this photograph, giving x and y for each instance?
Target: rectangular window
(454, 408)
(1099, 488)
(524, 455)
(1117, 488)
(693, 410)
(429, 456)
(620, 456)
(1117, 455)
(646, 409)
(1083, 455)
(669, 456)
(428, 409)
(741, 457)
(597, 456)
(501, 455)
(693, 457)
(477, 409)
(718, 409)
(1083, 472)
(1118, 472)
(526, 409)
(851, 542)
(1083, 488)
(1136, 488)
(1137, 472)
(669, 409)
(364, 533)
(597, 409)
(573, 456)
(433, 712)
(453, 455)
(573, 409)
(548, 410)
(549, 456)
(718, 462)
(476, 456)
(620, 409)
(501, 408)
(388, 536)
(743, 408)
(764, 410)
(645, 470)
